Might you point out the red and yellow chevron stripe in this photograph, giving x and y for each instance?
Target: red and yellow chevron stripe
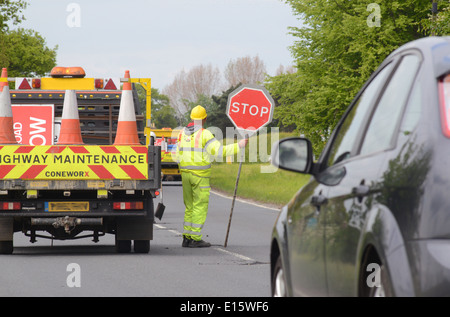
(67, 162)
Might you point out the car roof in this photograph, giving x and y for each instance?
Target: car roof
(435, 49)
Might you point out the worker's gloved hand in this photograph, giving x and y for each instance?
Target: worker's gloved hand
(243, 143)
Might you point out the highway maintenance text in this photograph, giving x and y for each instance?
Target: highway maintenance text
(72, 159)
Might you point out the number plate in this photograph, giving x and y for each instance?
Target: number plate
(67, 206)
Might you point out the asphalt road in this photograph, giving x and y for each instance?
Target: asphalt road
(84, 268)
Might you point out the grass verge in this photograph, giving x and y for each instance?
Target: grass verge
(259, 182)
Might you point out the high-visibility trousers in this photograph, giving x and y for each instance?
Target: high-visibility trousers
(196, 199)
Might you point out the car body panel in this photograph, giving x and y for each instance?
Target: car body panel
(307, 252)
(346, 210)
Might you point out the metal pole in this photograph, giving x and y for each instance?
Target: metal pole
(434, 11)
(234, 197)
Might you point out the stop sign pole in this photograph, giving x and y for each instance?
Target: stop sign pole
(249, 107)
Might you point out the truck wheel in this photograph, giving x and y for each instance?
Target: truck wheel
(6, 247)
(123, 246)
(141, 246)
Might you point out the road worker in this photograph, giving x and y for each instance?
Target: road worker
(196, 148)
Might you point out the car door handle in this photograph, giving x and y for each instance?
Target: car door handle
(318, 200)
(360, 190)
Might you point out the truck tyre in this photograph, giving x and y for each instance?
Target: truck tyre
(141, 246)
(123, 246)
(6, 247)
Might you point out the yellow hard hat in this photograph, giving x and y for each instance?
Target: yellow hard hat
(198, 113)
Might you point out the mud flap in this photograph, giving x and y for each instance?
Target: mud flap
(160, 208)
(160, 211)
(6, 229)
(134, 228)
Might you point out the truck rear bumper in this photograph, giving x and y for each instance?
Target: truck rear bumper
(73, 214)
(116, 184)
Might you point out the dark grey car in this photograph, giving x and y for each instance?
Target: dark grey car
(374, 220)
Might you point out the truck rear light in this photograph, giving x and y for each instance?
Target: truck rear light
(28, 83)
(98, 83)
(10, 206)
(125, 205)
(36, 83)
(444, 103)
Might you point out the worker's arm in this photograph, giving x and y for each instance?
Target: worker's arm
(215, 147)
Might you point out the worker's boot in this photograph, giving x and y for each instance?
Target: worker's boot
(199, 244)
(186, 242)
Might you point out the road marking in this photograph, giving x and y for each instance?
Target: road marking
(245, 201)
(240, 256)
(170, 230)
(237, 255)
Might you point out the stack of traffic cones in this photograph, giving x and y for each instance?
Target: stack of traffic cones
(70, 132)
(6, 118)
(4, 75)
(126, 126)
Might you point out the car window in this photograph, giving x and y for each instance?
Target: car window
(350, 128)
(413, 111)
(389, 109)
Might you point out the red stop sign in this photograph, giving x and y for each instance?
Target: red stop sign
(250, 108)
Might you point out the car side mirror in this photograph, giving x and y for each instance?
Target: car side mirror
(293, 154)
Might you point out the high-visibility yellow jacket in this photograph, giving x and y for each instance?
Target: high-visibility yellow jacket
(196, 149)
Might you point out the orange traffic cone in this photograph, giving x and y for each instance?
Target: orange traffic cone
(4, 75)
(126, 126)
(70, 132)
(127, 84)
(6, 118)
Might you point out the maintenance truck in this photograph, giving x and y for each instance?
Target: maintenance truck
(54, 191)
(167, 139)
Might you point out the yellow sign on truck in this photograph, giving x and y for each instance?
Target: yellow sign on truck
(73, 162)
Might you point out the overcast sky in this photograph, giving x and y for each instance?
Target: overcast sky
(159, 38)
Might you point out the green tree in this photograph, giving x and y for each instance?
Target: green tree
(11, 12)
(23, 52)
(165, 118)
(163, 115)
(438, 22)
(338, 46)
(27, 53)
(218, 115)
(215, 106)
(206, 102)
